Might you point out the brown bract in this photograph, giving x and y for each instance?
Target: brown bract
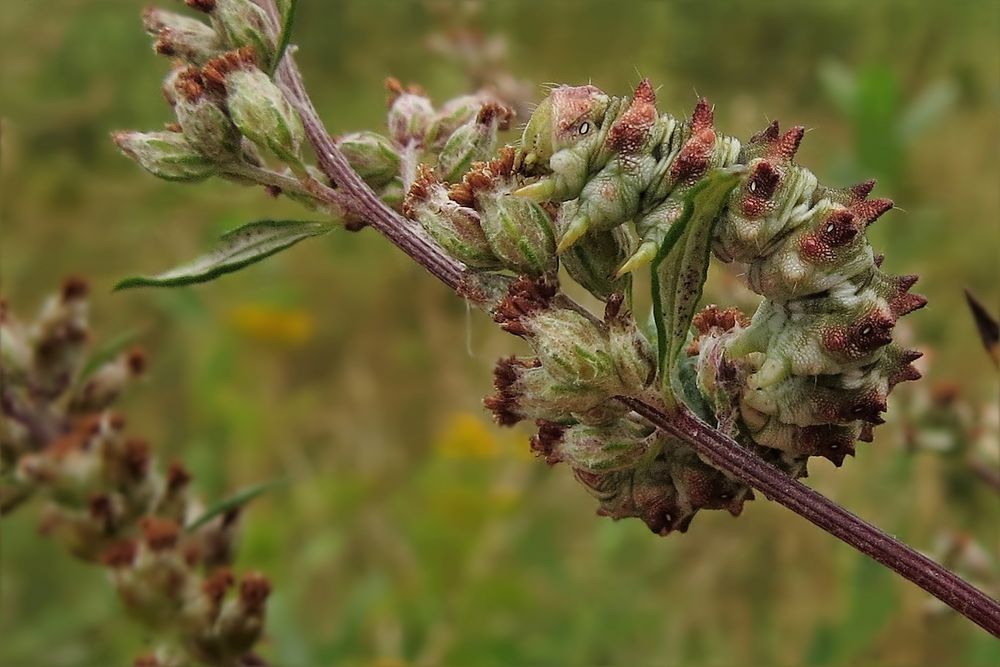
(215, 70)
(483, 176)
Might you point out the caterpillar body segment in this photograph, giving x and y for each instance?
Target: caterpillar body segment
(816, 362)
(607, 186)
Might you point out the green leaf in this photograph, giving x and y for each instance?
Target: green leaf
(680, 267)
(237, 500)
(107, 352)
(287, 19)
(239, 248)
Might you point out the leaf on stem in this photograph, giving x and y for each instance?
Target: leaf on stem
(287, 20)
(236, 249)
(107, 352)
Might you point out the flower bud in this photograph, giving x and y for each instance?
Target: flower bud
(15, 351)
(181, 37)
(472, 142)
(242, 618)
(518, 230)
(456, 228)
(526, 390)
(571, 346)
(256, 105)
(603, 448)
(520, 233)
(453, 114)
(372, 156)
(165, 154)
(108, 381)
(243, 23)
(631, 353)
(410, 113)
(203, 119)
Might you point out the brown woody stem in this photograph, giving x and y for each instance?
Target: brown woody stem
(355, 197)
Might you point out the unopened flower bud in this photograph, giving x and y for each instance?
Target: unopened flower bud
(256, 105)
(456, 228)
(453, 114)
(520, 233)
(165, 154)
(410, 113)
(603, 448)
(243, 23)
(526, 390)
(108, 381)
(631, 353)
(181, 37)
(242, 618)
(572, 347)
(372, 156)
(203, 118)
(473, 142)
(59, 338)
(15, 351)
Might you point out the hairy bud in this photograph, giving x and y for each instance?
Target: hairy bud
(181, 37)
(603, 448)
(256, 105)
(455, 227)
(453, 114)
(372, 156)
(167, 155)
(410, 114)
(474, 141)
(203, 118)
(242, 23)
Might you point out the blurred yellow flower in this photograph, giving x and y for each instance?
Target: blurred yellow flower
(466, 436)
(290, 327)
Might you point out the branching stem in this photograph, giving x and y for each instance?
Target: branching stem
(355, 197)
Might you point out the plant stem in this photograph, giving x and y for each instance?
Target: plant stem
(726, 454)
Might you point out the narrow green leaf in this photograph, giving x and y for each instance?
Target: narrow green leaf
(107, 352)
(238, 248)
(287, 20)
(680, 267)
(237, 500)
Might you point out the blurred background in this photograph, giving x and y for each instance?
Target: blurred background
(412, 531)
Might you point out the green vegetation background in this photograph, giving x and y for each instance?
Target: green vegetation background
(413, 531)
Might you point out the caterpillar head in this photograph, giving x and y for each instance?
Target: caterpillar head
(568, 116)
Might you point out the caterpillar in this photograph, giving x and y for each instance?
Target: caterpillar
(609, 185)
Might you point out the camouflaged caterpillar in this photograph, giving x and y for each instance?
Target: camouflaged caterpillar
(807, 376)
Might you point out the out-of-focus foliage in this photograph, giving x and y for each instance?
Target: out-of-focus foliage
(412, 531)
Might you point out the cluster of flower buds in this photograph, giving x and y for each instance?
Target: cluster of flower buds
(106, 499)
(481, 223)
(581, 363)
(230, 114)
